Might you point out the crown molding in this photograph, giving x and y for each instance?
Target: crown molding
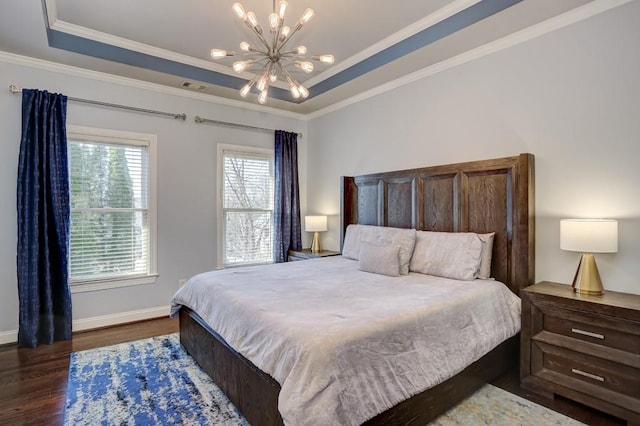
(568, 18)
(424, 23)
(139, 84)
(109, 39)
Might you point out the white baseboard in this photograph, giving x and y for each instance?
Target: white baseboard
(120, 318)
(11, 336)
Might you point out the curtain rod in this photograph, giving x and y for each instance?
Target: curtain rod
(199, 119)
(15, 89)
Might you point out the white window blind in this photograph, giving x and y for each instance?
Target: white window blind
(110, 199)
(247, 207)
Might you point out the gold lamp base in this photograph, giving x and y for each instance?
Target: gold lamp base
(587, 279)
(315, 245)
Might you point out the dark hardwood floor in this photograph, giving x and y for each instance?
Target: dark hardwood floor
(33, 381)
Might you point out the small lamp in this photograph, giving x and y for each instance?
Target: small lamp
(588, 236)
(315, 224)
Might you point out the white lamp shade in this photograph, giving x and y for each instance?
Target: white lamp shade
(589, 235)
(315, 223)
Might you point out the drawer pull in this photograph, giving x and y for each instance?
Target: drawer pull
(587, 333)
(589, 375)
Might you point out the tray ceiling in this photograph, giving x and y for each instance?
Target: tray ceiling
(168, 43)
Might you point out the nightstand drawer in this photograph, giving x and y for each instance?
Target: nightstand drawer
(592, 328)
(597, 377)
(582, 347)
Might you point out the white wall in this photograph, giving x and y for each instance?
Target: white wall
(571, 97)
(186, 182)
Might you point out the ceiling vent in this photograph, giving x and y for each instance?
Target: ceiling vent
(194, 86)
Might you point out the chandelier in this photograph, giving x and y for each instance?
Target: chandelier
(270, 59)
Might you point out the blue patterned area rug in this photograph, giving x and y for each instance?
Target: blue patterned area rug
(154, 382)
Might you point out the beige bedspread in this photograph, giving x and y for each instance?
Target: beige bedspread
(344, 344)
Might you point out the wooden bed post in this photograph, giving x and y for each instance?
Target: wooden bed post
(348, 214)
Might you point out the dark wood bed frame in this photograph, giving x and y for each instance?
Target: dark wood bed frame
(482, 196)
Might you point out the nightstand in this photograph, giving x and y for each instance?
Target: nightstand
(303, 254)
(585, 348)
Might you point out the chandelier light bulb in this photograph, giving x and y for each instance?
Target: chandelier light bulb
(218, 53)
(282, 7)
(284, 32)
(273, 76)
(301, 50)
(303, 91)
(262, 83)
(263, 97)
(274, 21)
(239, 11)
(246, 89)
(294, 91)
(304, 66)
(306, 16)
(245, 47)
(240, 66)
(252, 19)
(327, 59)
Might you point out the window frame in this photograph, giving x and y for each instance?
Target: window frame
(99, 135)
(221, 149)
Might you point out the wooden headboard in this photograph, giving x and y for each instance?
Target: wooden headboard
(480, 196)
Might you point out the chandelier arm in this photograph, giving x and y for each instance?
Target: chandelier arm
(282, 70)
(260, 36)
(286, 40)
(293, 56)
(276, 39)
(275, 34)
(248, 55)
(290, 53)
(300, 57)
(268, 71)
(287, 61)
(288, 75)
(263, 65)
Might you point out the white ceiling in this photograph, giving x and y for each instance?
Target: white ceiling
(168, 42)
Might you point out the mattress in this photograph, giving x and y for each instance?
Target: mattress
(344, 344)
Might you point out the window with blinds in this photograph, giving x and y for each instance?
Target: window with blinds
(110, 195)
(247, 207)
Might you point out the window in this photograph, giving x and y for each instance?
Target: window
(112, 186)
(246, 212)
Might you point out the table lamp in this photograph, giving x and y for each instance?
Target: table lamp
(588, 236)
(315, 224)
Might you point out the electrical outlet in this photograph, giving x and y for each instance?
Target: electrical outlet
(181, 282)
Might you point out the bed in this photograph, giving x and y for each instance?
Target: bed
(482, 196)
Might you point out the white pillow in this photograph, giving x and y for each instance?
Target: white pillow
(453, 255)
(384, 260)
(405, 239)
(484, 272)
(351, 243)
